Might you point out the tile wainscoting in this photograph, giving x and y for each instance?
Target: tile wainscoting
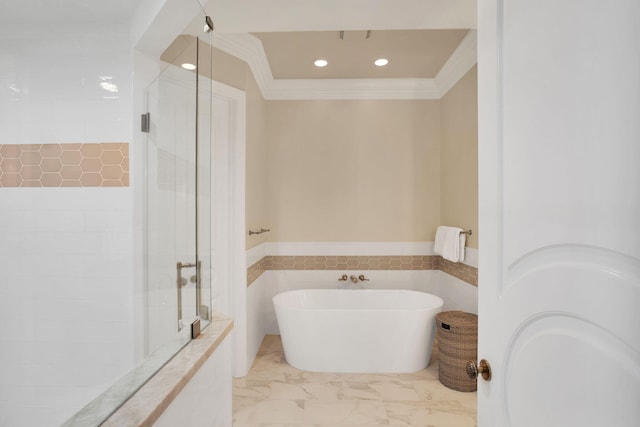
(464, 272)
(334, 262)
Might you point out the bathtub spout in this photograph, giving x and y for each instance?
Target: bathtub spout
(353, 278)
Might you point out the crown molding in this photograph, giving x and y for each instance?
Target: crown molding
(249, 49)
(459, 63)
(299, 89)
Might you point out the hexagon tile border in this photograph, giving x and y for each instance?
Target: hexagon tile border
(103, 164)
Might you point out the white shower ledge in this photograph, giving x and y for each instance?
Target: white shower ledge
(152, 399)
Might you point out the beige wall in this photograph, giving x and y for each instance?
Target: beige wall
(257, 198)
(234, 72)
(357, 170)
(459, 156)
(353, 170)
(228, 69)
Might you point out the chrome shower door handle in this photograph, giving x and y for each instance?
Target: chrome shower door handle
(181, 265)
(181, 282)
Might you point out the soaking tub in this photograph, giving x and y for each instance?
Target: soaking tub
(356, 331)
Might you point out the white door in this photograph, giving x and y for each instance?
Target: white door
(559, 153)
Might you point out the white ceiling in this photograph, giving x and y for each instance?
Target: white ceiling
(245, 16)
(238, 18)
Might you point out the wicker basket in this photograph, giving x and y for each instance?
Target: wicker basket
(457, 336)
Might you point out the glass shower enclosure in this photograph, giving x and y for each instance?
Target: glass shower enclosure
(177, 214)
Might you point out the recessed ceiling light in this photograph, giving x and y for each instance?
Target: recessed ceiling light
(188, 66)
(320, 63)
(381, 62)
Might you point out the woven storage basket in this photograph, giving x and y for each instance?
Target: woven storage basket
(457, 343)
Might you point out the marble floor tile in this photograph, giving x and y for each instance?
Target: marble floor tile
(274, 394)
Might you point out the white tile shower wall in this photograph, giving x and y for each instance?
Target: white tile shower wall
(66, 292)
(72, 86)
(66, 304)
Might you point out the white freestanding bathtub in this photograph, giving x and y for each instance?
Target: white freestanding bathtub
(355, 331)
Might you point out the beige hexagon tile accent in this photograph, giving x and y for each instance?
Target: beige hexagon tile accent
(51, 179)
(51, 165)
(10, 180)
(111, 172)
(30, 158)
(111, 146)
(71, 158)
(112, 157)
(64, 165)
(90, 165)
(51, 151)
(71, 172)
(10, 165)
(461, 271)
(31, 172)
(91, 179)
(10, 151)
(91, 150)
(408, 262)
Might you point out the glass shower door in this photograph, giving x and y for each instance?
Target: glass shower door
(178, 192)
(171, 206)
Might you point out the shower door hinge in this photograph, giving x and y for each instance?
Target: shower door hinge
(145, 122)
(195, 329)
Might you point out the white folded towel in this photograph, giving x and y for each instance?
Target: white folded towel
(438, 245)
(463, 241)
(450, 243)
